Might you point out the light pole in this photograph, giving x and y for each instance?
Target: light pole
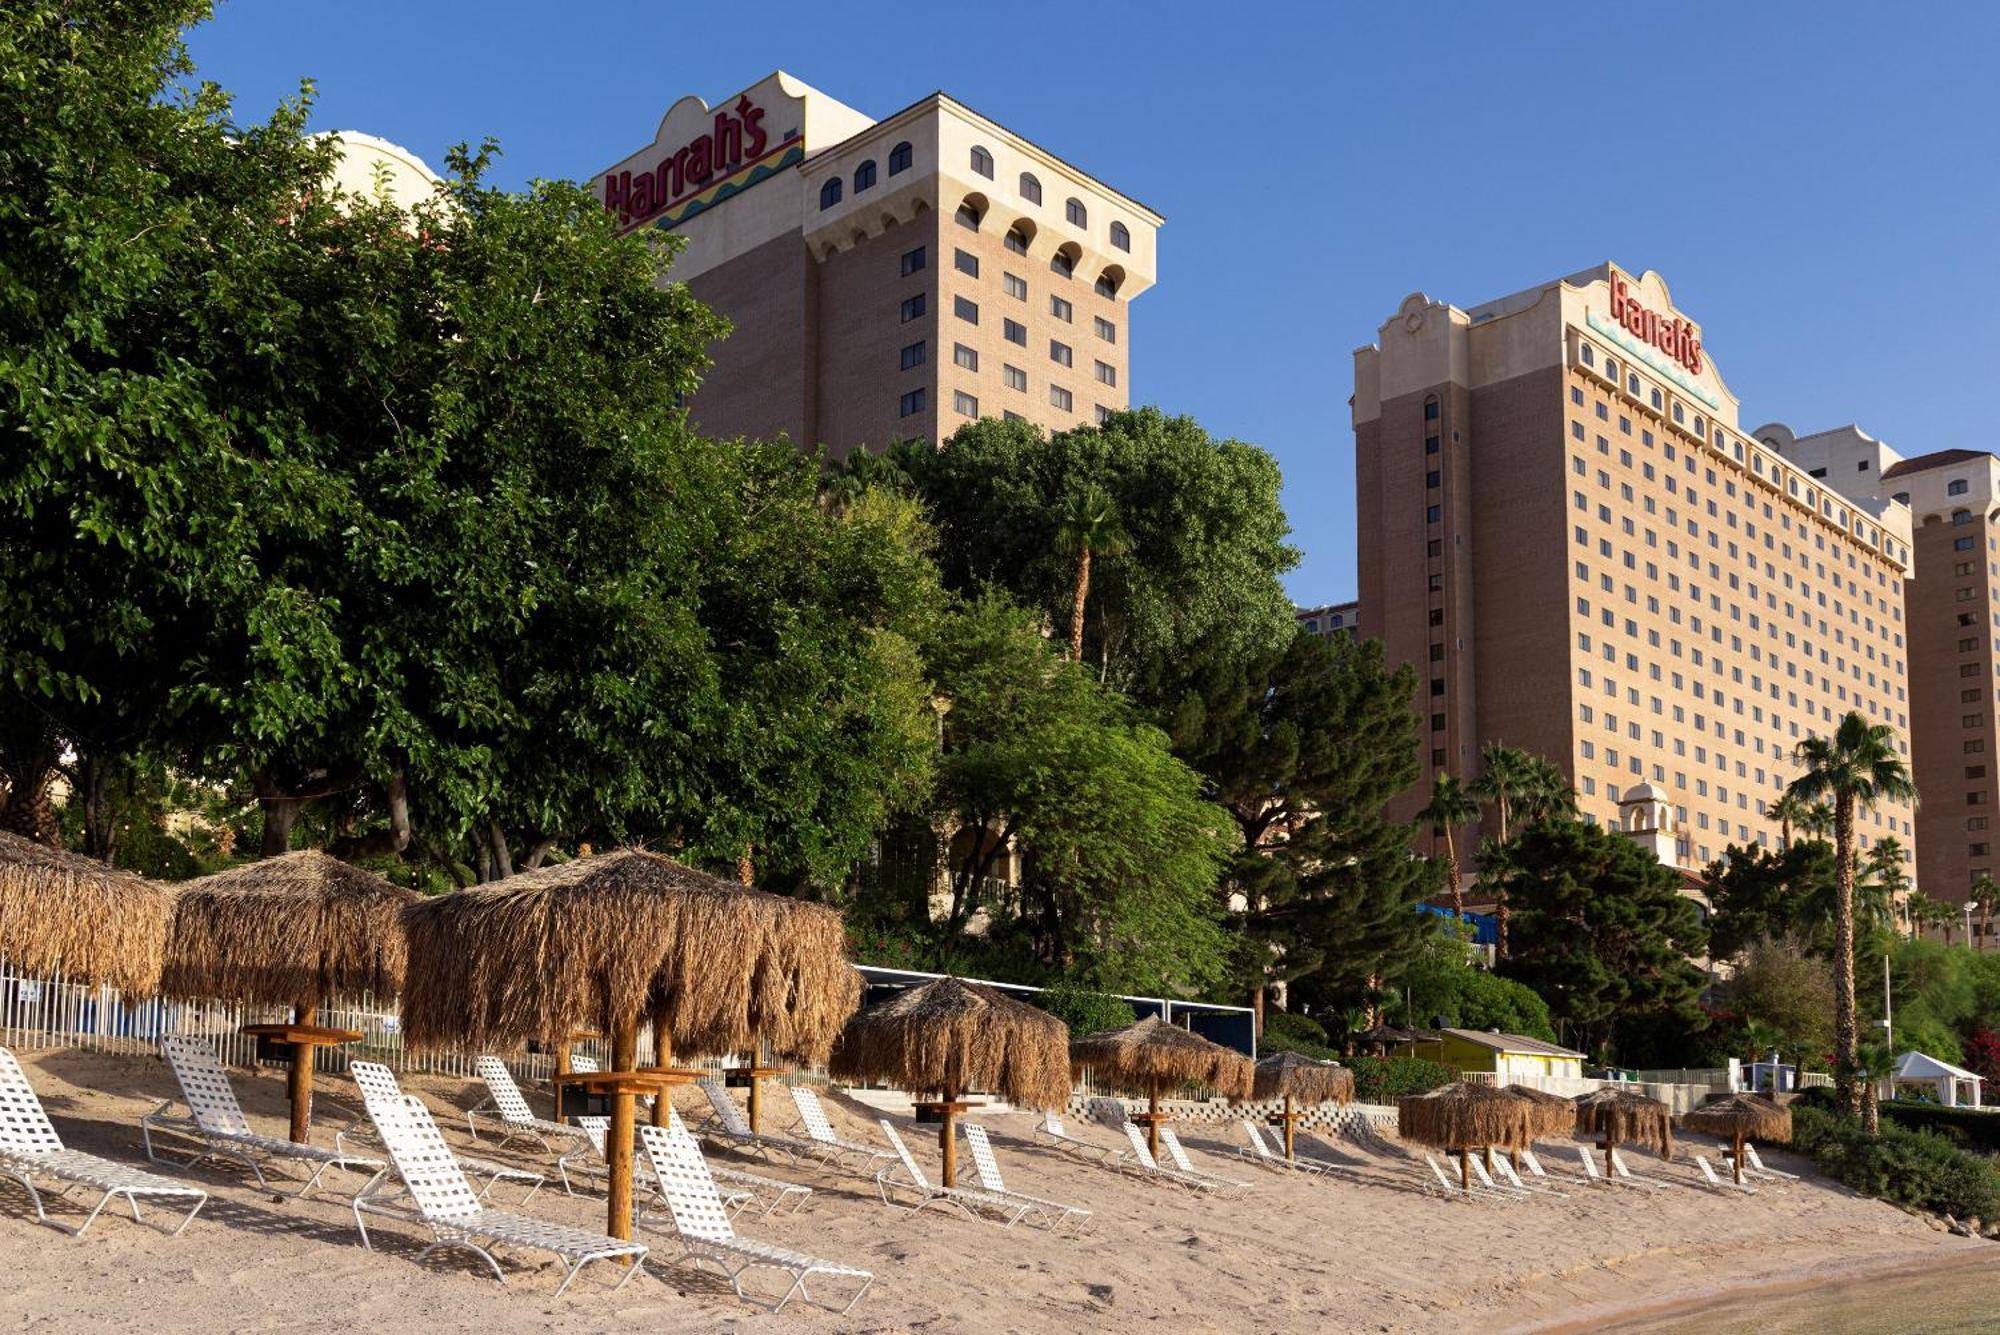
(1967, 906)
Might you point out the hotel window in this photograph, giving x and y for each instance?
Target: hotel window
(1011, 416)
(1059, 353)
(913, 260)
(964, 358)
(1432, 514)
(982, 162)
(1657, 400)
(1061, 309)
(1017, 287)
(829, 194)
(965, 262)
(1031, 189)
(1106, 330)
(1430, 444)
(1586, 353)
(1064, 263)
(1431, 409)
(864, 176)
(967, 217)
(1437, 583)
(1104, 415)
(1107, 374)
(1961, 517)
(1014, 333)
(899, 158)
(1107, 286)
(1016, 239)
(1014, 377)
(1961, 544)
(1437, 686)
(1121, 238)
(1437, 653)
(1632, 384)
(965, 310)
(1956, 487)
(964, 404)
(1074, 211)
(911, 404)
(1437, 723)
(913, 308)
(1431, 479)
(913, 355)
(1060, 397)
(1437, 757)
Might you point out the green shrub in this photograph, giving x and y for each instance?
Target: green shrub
(1386, 1079)
(1286, 1032)
(1085, 1011)
(1916, 1168)
(1975, 1127)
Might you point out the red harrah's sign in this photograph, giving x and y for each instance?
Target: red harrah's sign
(735, 139)
(1675, 337)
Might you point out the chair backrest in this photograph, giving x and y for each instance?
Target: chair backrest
(1257, 1143)
(1701, 1162)
(1750, 1157)
(24, 1126)
(204, 1085)
(1139, 1150)
(1589, 1164)
(423, 1160)
(375, 1081)
(583, 1065)
(814, 1116)
(684, 1180)
(1531, 1163)
(725, 1108)
(1479, 1171)
(597, 1128)
(903, 1153)
(983, 1162)
(674, 1122)
(1053, 1125)
(1618, 1164)
(1174, 1150)
(1507, 1173)
(507, 1096)
(1445, 1179)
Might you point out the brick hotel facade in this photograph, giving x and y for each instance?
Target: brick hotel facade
(1565, 529)
(889, 279)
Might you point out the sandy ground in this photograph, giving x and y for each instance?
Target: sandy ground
(1367, 1252)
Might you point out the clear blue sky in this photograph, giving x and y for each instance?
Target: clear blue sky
(1820, 183)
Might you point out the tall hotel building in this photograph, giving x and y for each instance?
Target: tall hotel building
(888, 279)
(1565, 529)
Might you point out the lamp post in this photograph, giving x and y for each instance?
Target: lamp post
(1967, 906)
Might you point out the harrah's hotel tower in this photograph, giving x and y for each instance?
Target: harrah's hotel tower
(1567, 531)
(888, 279)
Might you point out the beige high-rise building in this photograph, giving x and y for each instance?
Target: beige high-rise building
(889, 279)
(1565, 529)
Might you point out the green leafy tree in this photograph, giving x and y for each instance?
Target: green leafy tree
(1602, 930)
(1784, 992)
(1985, 893)
(1442, 981)
(1090, 528)
(1856, 767)
(1756, 894)
(1450, 807)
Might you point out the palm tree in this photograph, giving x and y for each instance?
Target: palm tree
(1450, 807)
(1090, 527)
(1788, 811)
(1817, 820)
(1986, 894)
(1507, 775)
(1882, 886)
(1873, 1063)
(1548, 793)
(1857, 766)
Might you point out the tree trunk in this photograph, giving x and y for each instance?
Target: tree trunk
(1451, 877)
(503, 857)
(745, 871)
(1871, 1111)
(1844, 1037)
(1076, 612)
(279, 815)
(1502, 914)
(100, 828)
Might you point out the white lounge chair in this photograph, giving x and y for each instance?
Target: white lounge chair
(986, 1165)
(1487, 1183)
(31, 1149)
(728, 1126)
(599, 1168)
(1510, 1178)
(1625, 1174)
(1228, 1186)
(965, 1199)
(1753, 1165)
(1268, 1153)
(507, 1106)
(775, 1192)
(831, 1148)
(1448, 1183)
(445, 1202)
(377, 1084)
(1052, 1131)
(701, 1224)
(1140, 1158)
(1721, 1183)
(216, 1123)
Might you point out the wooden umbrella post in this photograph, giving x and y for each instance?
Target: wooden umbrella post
(302, 1078)
(947, 1139)
(562, 1069)
(756, 1099)
(1289, 1117)
(1465, 1169)
(663, 1052)
(618, 1150)
(1607, 1146)
(1153, 1123)
(1737, 1162)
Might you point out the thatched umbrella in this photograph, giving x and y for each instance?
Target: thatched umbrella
(90, 921)
(950, 1037)
(1462, 1117)
(1548, 1114)
(294, 930)
(1741, 1117)
(606, 941)
(1296, 1078)
(1152, 1055)
(1617, 1115)
(1386, 1036)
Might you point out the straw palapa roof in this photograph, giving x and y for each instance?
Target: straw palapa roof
(93, 922)
(1292, 1075)
(296, 929)
(1548, 1114)
(1465, 1116)
(1153, 1052)
(1751, 1116)
(606, 940)
(953, 1037)
(1625, 1116)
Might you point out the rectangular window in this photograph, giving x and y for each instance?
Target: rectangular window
(913, 355)
(1059, 353)
(1061, 309)
(1107, 374)
(1433, 479)
(913, 308)
(1017, 286)
(1014, 333)
(964, 404)
(1103, 414)
(965, 262)
(1430, 444)
(1107, 330)
(964, 357)
(1060, 397)
(913, 260)
(1014, 377)
(1432, 514)
(965, 309)
(911, 404)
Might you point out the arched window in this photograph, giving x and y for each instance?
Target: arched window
(1017, 239)
(982, 162)
(899, 158)
(829, 194)
(967, 216)
(864, 176)
(1121, 236)
(1031, 189)
(1064, 263)
(1074, 211)
(1107, 284)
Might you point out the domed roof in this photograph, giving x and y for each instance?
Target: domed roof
(1641, 792)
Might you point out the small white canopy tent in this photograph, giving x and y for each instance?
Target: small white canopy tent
(1952, 1086)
